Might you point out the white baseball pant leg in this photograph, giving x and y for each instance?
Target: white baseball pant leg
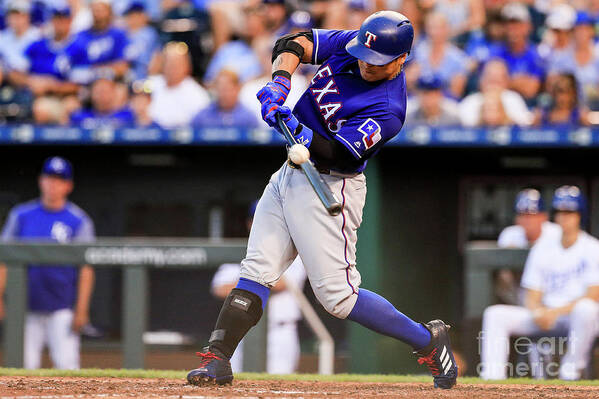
(63, 342)
(502, 321)
(35, 339)
(237, 358)
(290, 219)
(499, 323)
(283, 349)
(583, 328)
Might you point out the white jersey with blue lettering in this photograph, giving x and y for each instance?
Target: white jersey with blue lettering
(562, 274)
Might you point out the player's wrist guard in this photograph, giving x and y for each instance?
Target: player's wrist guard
(303, 135)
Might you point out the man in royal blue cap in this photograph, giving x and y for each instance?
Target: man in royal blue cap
(532, 221)
(59, 295)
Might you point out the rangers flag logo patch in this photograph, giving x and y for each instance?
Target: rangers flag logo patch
(371, 131)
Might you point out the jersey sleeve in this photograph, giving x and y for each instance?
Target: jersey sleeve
(10, 230)
(512, 237)
(592, 271)
(362, 136)
(328, 41)
(86, 231)
(28, 55)
(532, 277)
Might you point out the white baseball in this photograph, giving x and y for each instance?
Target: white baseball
(299, 154)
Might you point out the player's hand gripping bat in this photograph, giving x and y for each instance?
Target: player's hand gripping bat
(322, 189)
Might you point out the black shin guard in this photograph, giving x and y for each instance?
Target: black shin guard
(240, 312)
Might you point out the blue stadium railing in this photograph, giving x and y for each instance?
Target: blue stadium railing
(565, 136)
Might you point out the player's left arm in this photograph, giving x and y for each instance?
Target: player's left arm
(87, 277)
(85, 288)
(291, 50)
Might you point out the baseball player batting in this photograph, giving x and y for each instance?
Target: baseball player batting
(355, 103)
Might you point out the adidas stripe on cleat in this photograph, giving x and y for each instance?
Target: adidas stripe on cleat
(438, 357)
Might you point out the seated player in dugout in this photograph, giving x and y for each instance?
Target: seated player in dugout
(355, 103)
(532, 224)
(561, 279)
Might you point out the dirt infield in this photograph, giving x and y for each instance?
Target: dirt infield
(68, 387)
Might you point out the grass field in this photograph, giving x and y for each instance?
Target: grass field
(101, 383)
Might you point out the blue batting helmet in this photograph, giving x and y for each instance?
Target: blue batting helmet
(383, 37)
(529, 201)
(569, 198)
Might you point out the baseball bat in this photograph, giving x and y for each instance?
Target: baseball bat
(322, 189)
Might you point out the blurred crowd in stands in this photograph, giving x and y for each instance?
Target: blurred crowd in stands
(176, 63)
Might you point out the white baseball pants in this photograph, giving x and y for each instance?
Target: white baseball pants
(502, 321)
(290, 219)
(52, 329)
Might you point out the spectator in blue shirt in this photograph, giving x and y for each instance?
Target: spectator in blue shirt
(44, 72)
(144, 43)
(557, 39)
(100, 50)
(564, 108)
(17, 37)
(238, 55)
(103, 111)
(435, 55)
(226, 110)
(481, 42)
(521, 57)
(582, 60)
(58, 295)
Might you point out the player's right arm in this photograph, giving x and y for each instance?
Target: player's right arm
(2, 288)
(532, 281)
(9, 233)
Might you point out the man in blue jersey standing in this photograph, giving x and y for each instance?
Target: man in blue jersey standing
(59, 295)
(355, 103)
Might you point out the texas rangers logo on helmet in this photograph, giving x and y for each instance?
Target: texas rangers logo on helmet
(370, 37)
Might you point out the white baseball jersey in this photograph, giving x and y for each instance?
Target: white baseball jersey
(562, 274)
(515, 236)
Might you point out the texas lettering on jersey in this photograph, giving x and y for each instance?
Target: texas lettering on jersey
(342, 106)
(327, 109)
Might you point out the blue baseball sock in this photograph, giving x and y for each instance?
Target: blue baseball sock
(378, 314)
(254, 288)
